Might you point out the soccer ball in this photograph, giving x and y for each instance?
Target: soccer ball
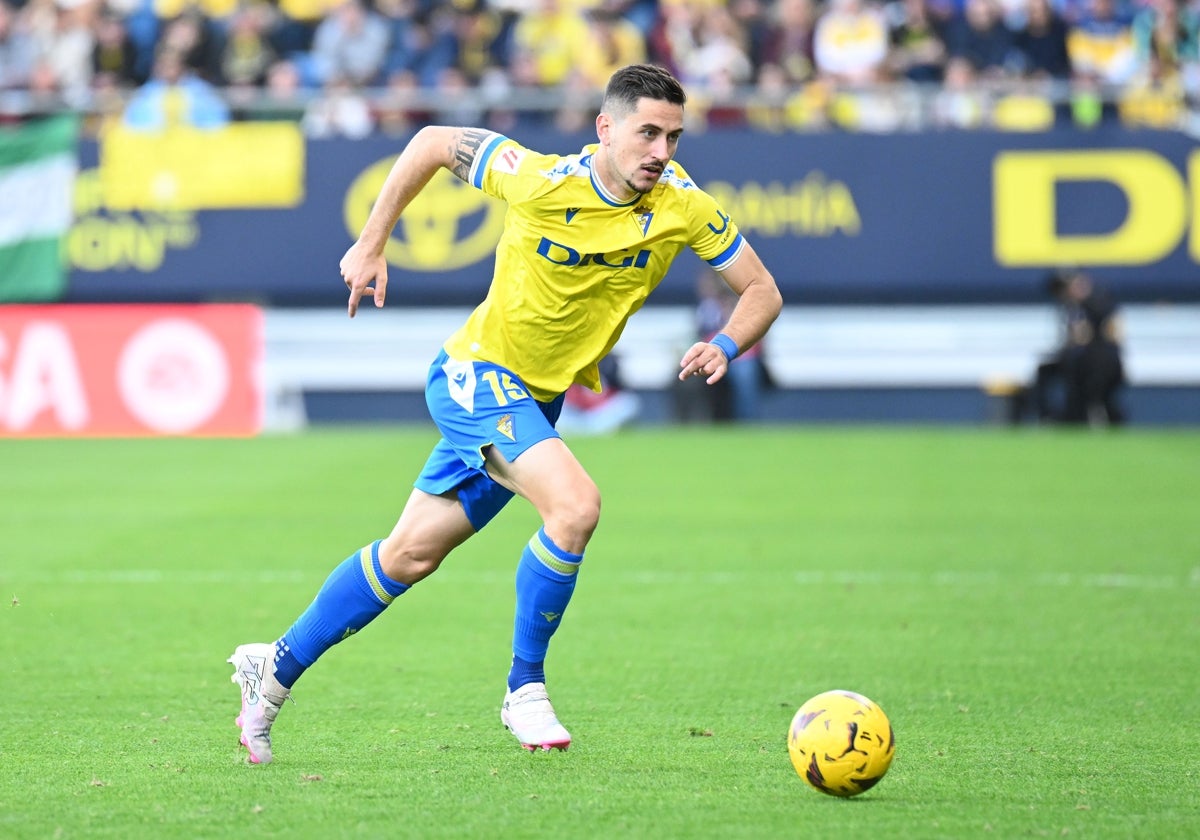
(841, 743)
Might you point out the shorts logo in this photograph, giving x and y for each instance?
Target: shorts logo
(505, 426)
(460, 383)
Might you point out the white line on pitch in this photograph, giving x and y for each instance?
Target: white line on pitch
(808, 577)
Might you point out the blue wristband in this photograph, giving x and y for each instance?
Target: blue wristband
(726, 344)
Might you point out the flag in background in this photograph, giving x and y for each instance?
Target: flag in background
(38, 162)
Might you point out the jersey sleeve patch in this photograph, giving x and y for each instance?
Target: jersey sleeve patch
(508, 161)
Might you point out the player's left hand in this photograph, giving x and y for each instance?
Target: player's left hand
(704, 359)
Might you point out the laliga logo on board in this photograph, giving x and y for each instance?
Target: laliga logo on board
(130, 370)
(449, 225)
(173, 375)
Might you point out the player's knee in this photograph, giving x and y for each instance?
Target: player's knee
(574, 517)
(408, 563)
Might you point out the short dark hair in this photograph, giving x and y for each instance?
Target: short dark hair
(637, 81)
(1056, 281)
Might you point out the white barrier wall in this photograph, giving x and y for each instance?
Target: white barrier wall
(818, 347)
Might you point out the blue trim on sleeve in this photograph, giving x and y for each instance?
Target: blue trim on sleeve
(727, 257)
(481, 160)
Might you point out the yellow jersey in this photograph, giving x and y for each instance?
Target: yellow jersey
(574, 263)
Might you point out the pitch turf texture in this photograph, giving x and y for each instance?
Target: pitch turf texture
(1024, 605)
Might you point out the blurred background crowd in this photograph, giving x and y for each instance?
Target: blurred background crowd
(354, 67)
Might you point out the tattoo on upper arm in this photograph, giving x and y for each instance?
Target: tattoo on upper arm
(466, 148)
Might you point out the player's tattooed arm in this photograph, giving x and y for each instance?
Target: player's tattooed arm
(466, 145)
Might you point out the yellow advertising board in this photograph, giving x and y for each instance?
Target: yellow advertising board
(239, 166)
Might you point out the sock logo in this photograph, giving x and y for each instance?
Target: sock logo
(350, 631)
(551, 617)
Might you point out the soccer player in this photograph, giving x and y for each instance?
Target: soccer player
(586, 239)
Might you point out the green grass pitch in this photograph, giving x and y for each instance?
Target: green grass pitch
(1025, 606)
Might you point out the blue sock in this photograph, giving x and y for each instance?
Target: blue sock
(353, 594)
(545, 581)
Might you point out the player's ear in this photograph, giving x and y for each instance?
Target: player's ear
(603, 127)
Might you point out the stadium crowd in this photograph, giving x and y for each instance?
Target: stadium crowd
(353, 67)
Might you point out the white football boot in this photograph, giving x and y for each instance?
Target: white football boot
(262, 695)
(528, 715)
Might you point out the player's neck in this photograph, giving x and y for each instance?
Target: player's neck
(616, 186)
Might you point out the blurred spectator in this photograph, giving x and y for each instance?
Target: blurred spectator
(754, 21)
(114, 56)
(18, 50)
(107, 103)
(719, 55)
(339, 111)
(577, 112)
(422, 41)
(296, 27)
(281, 98)
(247, 54)
(850, 43)
(553, 37)
(1166, 40)
(175, 96)
(1101, 44)
(616, 42)
(1080, 381)
(981, 37)
(508, 89)
(349, 47)
(456, 102)
(45, 93)
(961, 102)
(918, 48)
(142, 26)
(1167, 55)
(641, 13)
(673, 37)
(788, 40)
(397, 113)
(193, 37)
(477, 29)
(63, 32)
(1042, 43)
(776, 104)
(738, 396)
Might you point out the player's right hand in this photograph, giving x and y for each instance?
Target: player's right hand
(364, 273)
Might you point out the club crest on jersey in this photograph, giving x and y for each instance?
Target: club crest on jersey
(643, 215)
(505, 426)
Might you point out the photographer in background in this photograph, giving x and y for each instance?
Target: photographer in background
(1080, 382)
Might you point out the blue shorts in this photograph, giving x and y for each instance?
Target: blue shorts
(476, 405)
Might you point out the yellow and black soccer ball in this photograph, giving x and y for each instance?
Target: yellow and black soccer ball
(841, 743)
